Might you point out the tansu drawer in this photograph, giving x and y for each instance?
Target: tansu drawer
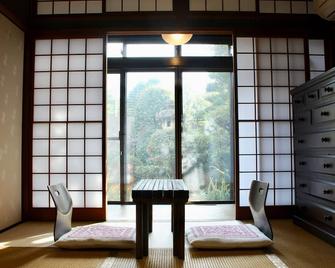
(303, 184)
(302, 120)
(323, 114)
(311, 97)
(298, 101)
(316, 211)
(317, 140)
(328, 90)
(325, 190)
(321, 164)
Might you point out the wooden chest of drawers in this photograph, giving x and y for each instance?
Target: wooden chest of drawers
(314, 147)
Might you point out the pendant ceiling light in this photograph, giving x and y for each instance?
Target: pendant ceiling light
(177, 39)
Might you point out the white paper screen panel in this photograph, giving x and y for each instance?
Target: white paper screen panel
(286, 6)
(316, 49)
(67, 121)
(267, 69)
(60, 7)
(223, 5)
(138, 5)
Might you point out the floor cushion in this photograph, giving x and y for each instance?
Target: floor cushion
(98, 236)
(227, 236)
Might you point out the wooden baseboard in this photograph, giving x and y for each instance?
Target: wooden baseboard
(272, 212)
(10, 227)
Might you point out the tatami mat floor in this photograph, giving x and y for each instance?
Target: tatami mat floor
(295, 246)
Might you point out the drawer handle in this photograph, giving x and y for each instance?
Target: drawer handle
(301, 119)
(325, 139)
(302, 163)
(328, 218)
(329, 89)
(300, 141)
(297, 101)
(327, 165)
(324, 113)
(312, 96)
(327, 191)
(302, 185)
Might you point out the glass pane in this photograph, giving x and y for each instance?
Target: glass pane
(150, 127)
(113, 170)
(114, 50)
(113, 105)
(113, 143)
(205, 50)
(206, 136)
(150, 50)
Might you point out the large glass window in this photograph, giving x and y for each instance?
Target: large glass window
(206, 139)
(169, 118)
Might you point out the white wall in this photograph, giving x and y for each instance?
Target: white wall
(11, 81)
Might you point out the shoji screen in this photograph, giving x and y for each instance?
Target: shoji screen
(55, 7)
(267, 68)
(68, 120)
(286, 6)
(138, 5)
(316, 49)
(223, 5)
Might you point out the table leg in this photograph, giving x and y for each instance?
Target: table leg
(139, 230)
(181, 231)
(150, 217)
(145, 229)
(172, 218)
(175, 229)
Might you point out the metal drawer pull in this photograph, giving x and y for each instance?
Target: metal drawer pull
(328, 218)
(324, 114)
(328, 165)
(300, 141)
(327, 191)
(302, 185)
(301, 119)
(297, 101)
(329, 89)
(325, 139)
(302, 163)
(312, 96)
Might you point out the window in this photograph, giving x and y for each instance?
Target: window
(167, 118)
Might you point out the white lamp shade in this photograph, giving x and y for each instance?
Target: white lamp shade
(177, 39)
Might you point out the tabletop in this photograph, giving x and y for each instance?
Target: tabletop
(160, 189)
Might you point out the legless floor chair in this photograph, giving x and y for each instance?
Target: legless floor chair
(237, 234)
(100, 235)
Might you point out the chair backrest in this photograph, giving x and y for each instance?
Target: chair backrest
(63, 202)
(257, 198)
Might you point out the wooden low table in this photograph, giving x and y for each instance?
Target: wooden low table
(148, 192)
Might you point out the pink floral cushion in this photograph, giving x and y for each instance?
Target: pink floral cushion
(101, 235)
(226, 231)
(227, 236)
(102, 232)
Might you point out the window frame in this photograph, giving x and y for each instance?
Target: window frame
(178, 65)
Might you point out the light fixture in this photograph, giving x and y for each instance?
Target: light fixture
(177, 39)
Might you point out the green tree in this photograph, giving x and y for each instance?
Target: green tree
(150, 147)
